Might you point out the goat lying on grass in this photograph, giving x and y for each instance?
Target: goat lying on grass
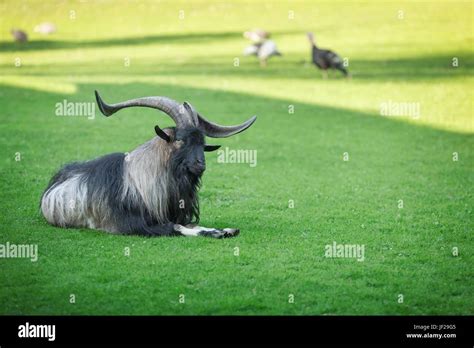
(153, 190)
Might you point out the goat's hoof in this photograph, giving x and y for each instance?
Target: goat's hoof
(225, 233)
(212, 233)
(231, 232)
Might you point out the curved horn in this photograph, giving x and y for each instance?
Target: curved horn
(167, 105)
(214, 130)
(191, 111)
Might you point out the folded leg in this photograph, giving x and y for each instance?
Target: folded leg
(193, 230)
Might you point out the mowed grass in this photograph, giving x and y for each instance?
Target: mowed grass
(408, 251)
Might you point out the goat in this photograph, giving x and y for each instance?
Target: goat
(152, 191)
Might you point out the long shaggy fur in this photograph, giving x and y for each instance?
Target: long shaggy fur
(129, 194)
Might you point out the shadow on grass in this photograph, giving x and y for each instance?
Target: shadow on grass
(290, 67)
(36, 45)
(413, 68)
(288, 138)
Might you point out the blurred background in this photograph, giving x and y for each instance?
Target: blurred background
(395, 50)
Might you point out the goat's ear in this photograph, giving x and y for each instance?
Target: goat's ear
(209, 148)
(162, 134)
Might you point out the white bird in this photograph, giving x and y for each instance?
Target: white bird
(257, 35)
(45, 28)
(263, 51)
(262, 47)
(251, 50)
(266, 50)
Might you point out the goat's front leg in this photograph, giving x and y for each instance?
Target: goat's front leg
(193, 230)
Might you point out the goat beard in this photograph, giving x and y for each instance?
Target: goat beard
(184, 205)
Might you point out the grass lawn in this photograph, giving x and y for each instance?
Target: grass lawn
(301, 196)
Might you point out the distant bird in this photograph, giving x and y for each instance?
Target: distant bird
(19, 35)
(326, 59)
(262, 47)
(45, 28)
(257, 35)
(252, 50)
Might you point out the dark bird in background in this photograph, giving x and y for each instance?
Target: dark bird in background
(326, 59)
(19, 35)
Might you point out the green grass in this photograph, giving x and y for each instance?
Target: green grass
(300, 157)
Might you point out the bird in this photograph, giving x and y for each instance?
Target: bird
(45, 28)
(257, 35)
(262, 47)
(19, 35)
(326, 59)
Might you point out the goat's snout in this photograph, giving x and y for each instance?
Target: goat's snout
(199, 166)
(196, 167)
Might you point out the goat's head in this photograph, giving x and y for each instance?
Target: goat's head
(188, 138)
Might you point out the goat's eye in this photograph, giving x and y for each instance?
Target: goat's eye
(178, 143)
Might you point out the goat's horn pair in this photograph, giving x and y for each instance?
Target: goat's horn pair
(182, 114)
